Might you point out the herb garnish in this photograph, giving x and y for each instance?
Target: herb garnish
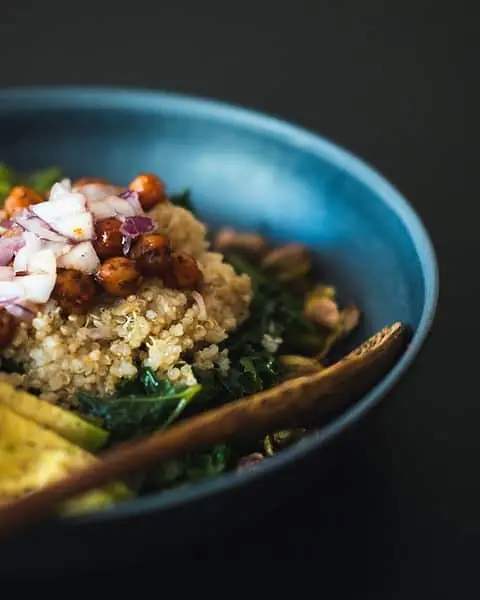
(41, 181)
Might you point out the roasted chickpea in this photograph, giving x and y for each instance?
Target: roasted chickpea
(87, 180)
(20, 198)
(183, 272)
(8, 325)
(108, 242)
(119, 276)
(150, 190)
(74, 291)
(151, 253)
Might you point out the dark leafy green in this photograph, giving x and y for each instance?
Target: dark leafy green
(141, 406)
(184, 199)
(40, 180)
(194, 467)
(275, 311)
(8, 365)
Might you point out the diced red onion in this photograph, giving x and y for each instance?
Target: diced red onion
(96, 191)
(43, 261)
(132, 227)
(72, 203)
(8, 247)
(70, 218)
(58, 248)
(100, 210)
(77, 228)
(10, 291)
(126, 244)
(134, 200)
(37, 287)
(24, 313)
(135, 226)
(59, 190)
(201, 305)
(32, 245)
(6, 274)
(81, 257)
(58, 233)
(113, 206)
(30, 222)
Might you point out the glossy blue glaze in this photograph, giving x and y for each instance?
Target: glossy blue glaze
(254, 172)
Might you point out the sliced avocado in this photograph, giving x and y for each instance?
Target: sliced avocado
(65, 423)
(23, 469)
(32, 456)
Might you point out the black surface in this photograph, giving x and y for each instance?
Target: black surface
(393, 82)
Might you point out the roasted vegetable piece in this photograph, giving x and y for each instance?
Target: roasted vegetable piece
(31, 457)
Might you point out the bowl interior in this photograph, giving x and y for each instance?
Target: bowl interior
(245, 170)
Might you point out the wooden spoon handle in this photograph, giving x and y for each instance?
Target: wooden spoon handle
(286, 405)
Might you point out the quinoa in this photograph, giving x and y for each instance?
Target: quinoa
(165, 329)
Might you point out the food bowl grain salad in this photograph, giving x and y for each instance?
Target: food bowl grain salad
(120, 313)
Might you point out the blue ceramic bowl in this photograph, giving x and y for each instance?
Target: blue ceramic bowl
(254, 172)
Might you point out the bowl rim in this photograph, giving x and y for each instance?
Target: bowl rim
(58, 97)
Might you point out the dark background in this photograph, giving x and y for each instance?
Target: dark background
(394, 83)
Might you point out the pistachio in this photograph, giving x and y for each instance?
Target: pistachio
(322, 310)
(296, 366)
(249, 461)
(322, 291)
(350, 317)
(288, 262)
(248, 245)
(274, 443)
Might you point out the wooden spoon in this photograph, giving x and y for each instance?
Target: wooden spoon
(289, 404)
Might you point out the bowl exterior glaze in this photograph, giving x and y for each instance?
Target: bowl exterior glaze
(254, 172)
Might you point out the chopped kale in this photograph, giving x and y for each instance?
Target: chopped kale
(194, 467)
(141, 406)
